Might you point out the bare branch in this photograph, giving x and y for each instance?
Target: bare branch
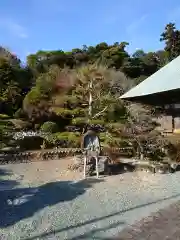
(99, 113)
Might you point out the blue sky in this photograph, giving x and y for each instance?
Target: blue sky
(32, 25)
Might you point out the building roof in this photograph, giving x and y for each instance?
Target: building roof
(166, 79)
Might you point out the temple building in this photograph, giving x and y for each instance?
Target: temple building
(161, 89)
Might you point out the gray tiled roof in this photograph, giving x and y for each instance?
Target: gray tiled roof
(167, 78)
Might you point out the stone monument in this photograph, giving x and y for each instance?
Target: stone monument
(91, 148)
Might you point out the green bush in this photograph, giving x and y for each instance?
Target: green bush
(6, 125)
(64, 139)
(6, 132)
(4, 116)
(49, 127)
(116, 142)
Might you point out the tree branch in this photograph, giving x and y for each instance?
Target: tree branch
(99, 113)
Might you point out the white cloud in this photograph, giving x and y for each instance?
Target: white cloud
(13, 28)
(134, 26)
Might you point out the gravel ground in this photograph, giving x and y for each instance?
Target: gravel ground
(42, 200)
(164, 224)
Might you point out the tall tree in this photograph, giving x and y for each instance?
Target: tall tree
(10, 91)
(171, 37)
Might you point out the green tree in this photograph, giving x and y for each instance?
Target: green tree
(15, 81)
(10, 91)
(171, 37)
(94, 101)
(37, 103)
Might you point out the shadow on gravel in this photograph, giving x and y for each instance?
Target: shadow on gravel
(6, 184)
(120, 168)
(21, 203)
(89, 235)
(178, 168)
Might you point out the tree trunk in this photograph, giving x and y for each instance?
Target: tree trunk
(90, 100)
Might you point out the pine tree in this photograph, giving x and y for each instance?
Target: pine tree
(93, 100)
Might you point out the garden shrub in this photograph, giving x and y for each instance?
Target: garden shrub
(64, 139)
(4, 117)
(49, 127)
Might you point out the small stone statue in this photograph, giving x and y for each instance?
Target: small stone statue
(91, 145)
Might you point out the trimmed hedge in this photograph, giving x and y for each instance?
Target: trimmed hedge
(64, 139)
(4, 117)
(49, 127)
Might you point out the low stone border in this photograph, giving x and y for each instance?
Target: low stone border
(32, 156)
(157, 167)
(46, 154)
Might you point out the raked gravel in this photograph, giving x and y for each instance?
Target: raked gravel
(50, 206)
